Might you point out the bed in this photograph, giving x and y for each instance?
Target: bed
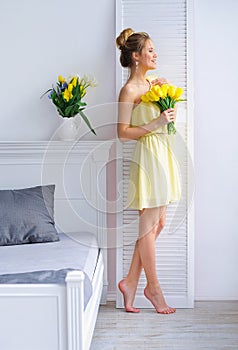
(50, 291)
(61, 289)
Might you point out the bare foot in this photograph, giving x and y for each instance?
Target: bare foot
(157, 299)
(128, 295)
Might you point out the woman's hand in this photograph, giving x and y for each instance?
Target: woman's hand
(167, 116)
(159, 81)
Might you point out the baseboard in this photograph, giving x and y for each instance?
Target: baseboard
(216, 298)
(111, 296)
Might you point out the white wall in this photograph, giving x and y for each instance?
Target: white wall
(43, 38)
(216, 146)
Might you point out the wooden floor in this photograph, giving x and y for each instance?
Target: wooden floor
(210, 325)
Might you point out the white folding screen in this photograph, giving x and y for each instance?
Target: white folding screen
(169, 23)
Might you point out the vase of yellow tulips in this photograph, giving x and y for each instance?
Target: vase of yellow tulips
(67, 96)
(165, 97)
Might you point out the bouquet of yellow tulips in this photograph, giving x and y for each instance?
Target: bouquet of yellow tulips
(165, 97)
(67, 96)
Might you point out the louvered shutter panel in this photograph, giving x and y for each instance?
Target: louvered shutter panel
(167, 23)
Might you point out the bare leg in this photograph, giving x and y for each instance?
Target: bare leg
(162, 221)
(128, 285)
(148, 234)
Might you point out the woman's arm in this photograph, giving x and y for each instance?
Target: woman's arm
(126, 104)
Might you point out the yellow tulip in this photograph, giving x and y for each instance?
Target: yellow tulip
(82, 90)
(70, 87)
(61, 79)
(157, 91)
(74, 81)
(171, 91)
(178, 93)
(67, 94)
(164, 89)
(151, 96)
(144, 98)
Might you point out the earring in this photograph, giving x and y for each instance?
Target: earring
(137, 64)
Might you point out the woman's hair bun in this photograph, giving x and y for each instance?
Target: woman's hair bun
(122, 38)
(128, 42)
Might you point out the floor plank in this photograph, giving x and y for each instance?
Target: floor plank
(210, 325)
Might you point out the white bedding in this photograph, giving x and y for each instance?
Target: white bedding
(50, 262)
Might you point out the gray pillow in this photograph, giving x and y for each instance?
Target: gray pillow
(27, 215)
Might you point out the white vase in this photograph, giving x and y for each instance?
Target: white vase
(68, 130)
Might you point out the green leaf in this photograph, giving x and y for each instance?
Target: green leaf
(171, 128)
(46, 92)
(87, 121)
(180, 100)
(162, 105)
(166, 99)
(60, 112)
(82, 103)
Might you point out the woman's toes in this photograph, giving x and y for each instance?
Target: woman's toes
(132, 309)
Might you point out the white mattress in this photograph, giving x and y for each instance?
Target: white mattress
(50, 262)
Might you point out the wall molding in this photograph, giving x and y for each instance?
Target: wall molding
(52, 151)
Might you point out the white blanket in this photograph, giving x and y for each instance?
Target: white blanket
(50, 262)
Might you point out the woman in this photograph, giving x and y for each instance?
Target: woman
(154, 178)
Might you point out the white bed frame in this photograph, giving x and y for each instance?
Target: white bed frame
(51, 316)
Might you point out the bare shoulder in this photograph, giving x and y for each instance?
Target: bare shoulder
(128, 93)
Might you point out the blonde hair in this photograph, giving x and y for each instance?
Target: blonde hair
(129, 41)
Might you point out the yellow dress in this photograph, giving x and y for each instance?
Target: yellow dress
(154, 171)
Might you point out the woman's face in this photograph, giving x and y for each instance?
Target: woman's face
(148, 55)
